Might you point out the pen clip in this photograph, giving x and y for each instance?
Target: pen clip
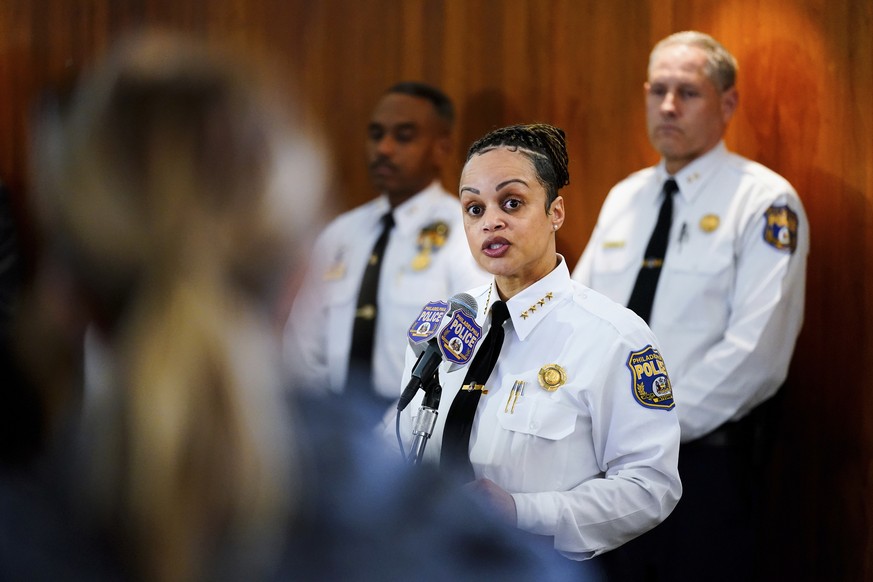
(511, 394)
(519, 391)
(514, 392)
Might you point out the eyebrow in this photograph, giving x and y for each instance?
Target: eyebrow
(394, 127)
(499, 187)
(505, 183)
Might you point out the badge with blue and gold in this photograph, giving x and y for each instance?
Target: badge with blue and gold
(459, 338)
(780, 228)
(431, 238)
(649, 381)
(427, 323)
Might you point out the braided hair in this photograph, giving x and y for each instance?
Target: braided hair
(545, 146)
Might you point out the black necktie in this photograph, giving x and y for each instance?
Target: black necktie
(455, 456)
(361, 354)
(647, 280)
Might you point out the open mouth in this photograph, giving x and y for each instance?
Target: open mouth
(495, 247)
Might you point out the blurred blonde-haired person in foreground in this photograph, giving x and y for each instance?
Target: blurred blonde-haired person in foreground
(174, 197)
(171, 199)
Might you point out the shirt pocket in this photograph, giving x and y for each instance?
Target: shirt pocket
(613, 271)
(340, 292)
(410, 287)
(539, 417)
(704, 253)
(614, 257)
(697, 284)
(619, 242)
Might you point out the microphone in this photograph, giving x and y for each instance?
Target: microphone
(465, 302)
(431, 341)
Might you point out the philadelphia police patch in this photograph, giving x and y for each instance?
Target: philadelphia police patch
(459, 337)
(780, 228)
(649, 381)
(427, 324)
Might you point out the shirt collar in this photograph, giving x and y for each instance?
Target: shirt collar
(409, 215)
(530, 306)
(694, 176)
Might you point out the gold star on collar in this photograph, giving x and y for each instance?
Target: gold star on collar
(532, 309)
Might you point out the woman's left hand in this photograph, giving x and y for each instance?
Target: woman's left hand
(494, 496)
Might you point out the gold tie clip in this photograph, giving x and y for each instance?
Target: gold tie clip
(473, 386)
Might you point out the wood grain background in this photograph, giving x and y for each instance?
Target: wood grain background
(806, 79)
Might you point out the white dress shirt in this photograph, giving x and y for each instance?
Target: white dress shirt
(586, 463)
(319, 330)
(729, 303)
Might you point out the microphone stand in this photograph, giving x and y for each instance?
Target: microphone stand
(426, 419)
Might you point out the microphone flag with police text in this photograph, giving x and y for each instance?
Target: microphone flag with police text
(441, 331)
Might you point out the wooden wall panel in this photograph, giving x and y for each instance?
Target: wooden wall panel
(806, 82)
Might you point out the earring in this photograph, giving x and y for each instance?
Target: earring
(555, 227)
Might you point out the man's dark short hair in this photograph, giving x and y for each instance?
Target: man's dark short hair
(441, 103)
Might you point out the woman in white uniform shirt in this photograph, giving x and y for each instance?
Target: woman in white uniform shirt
(574, 435)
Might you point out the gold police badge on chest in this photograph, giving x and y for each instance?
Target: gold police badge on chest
(552, 377)
(431, 238)
(709, 223)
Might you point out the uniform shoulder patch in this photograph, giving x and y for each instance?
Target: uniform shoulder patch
(780, 228)
(649, 381)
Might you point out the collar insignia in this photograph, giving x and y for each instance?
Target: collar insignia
(542, 301)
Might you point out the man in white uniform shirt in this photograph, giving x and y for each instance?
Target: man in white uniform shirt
(425, 255)
(728, 305)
